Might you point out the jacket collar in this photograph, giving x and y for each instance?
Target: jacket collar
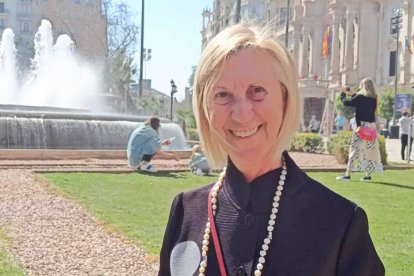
(255, 197)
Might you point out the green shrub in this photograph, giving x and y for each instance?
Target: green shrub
(383, 150)
(307, 142)
(192, 134)
(338, 145)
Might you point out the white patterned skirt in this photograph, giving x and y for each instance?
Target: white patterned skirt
(364, 155)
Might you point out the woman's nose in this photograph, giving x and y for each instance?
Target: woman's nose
(242, 111)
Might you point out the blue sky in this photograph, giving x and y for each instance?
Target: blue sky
(172, 31)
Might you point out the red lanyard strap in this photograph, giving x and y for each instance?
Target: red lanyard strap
(215, 236)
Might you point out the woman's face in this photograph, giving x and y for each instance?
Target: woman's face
(246, 105)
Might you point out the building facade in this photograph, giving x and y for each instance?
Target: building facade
(333, 42)
(82, 20)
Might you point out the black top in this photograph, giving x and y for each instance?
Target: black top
(364, 107)
(317, 231)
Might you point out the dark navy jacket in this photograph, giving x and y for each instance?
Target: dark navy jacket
(317, 231)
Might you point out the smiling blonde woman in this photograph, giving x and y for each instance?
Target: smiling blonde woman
(264, 215)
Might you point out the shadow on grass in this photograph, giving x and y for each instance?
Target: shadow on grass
(163, 174)
(392, 185)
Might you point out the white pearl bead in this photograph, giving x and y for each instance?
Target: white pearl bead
(282, 177)
(276, 198)
(259, 266)
(205, 247)
(257, 273)
(207, 231)
(201, 274)
(214, 194)
(281, 182)
(278, 193)
(203, 264)
(284, 172)
(214, 207)
(204, 253)
(202, 269)
(266, 241)
(261, 260)
(206, 236)
(214, 200)
(271, 222)
(273, 216)
(208, 224)
(262, 253)
(205, 242)
(270, 228)
(265, 247)
(280, 188)
(275, 210)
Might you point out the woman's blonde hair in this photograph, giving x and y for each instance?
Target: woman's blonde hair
(367, 88)
(220, 48)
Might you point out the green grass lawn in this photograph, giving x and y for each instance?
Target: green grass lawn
(7, 266)
(138, 205)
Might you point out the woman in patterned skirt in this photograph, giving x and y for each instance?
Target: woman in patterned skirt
(364, 153)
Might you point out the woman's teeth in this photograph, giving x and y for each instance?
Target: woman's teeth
(245, 133)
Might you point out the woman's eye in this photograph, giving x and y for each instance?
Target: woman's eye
(223, 97)
(257, 93)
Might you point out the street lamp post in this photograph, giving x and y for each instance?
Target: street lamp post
(173, 91)
(396, 21)
(287, 24)
(141, 60)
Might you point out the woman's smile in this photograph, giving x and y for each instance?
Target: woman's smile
(243, 133)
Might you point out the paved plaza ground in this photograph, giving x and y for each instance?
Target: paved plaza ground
(53, 235)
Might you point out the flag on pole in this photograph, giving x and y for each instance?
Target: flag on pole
(326, 45)
(408, 46)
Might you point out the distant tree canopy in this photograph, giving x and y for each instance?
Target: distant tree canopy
(122, 36)
(122, 32)
(386, 102)
(386, 105)
(347, 111)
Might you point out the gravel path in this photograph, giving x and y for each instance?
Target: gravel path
(53, 236)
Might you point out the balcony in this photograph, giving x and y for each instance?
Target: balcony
(25, 15)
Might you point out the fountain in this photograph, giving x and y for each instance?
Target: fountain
(59, 104)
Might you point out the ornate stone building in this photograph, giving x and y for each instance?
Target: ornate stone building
(82, 20)
(334, 43)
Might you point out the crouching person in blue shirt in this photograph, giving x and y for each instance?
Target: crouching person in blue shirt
(144, 143)
(198, 163)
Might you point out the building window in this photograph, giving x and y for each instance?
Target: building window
(393, 60)
(27, 10)
(1, 7)
(2, 25)
(25, 29)
(283, 15)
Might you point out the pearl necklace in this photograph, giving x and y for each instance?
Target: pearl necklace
(270, 225)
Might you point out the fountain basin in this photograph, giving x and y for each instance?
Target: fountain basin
(53, 128)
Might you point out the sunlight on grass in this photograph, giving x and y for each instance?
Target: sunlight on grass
(7, 266)
(137, 206)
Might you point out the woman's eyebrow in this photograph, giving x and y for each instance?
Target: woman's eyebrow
(220, 87)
